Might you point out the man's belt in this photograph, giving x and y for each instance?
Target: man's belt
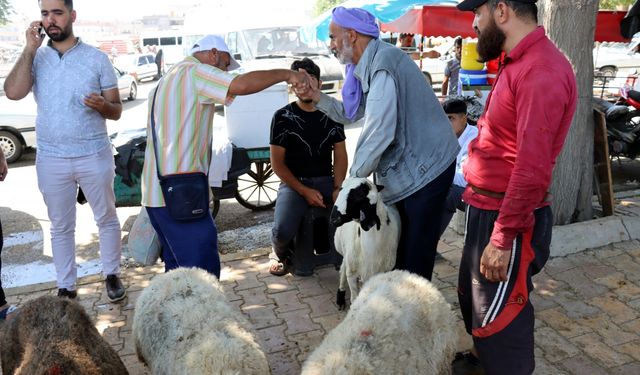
(487, 193)
(493, 194)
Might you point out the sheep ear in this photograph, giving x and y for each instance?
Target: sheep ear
(379, 187)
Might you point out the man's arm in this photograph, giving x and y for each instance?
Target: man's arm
(252, 82)
(340, 162)
(108, 104)
(19, 81)
(445, 85)
(312, 196)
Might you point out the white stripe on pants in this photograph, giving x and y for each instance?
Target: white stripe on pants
(58, 180)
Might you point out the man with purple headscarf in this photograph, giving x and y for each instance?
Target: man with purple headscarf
(406, 138)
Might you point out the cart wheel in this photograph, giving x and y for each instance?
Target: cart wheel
(258, 188)
(214, 205)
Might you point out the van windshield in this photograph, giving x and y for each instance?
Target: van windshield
(281, 41)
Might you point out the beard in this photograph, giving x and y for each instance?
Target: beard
(306, 100)
(60, 36)
(490, 42)
(344, 56)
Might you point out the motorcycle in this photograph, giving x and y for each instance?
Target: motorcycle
(623, 124)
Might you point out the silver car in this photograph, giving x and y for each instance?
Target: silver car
(18, 118)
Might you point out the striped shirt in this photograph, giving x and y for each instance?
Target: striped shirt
(184, 112)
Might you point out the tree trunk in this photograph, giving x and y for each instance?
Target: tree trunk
(571, 25)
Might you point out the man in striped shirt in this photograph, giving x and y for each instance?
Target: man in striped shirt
(183, 112)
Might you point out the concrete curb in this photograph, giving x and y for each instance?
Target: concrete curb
(574, 238)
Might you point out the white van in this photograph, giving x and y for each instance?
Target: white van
(170, 41)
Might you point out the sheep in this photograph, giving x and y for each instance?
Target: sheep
(183, 325)
(399, 324)
(370, 247)
(52, 335)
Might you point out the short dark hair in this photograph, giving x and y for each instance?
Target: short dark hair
(458, 42)
(521, 9)
(308, 65)
(454, 106)
(67, 3)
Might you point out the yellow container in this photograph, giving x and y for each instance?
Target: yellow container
(470, 56)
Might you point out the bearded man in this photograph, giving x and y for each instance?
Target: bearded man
(76, 90)
(523, 128)
(406, 137)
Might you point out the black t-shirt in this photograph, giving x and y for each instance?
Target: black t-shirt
(308, 138)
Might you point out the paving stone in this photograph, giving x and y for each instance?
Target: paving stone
(632, 349)
(298, 322)
(557, 265)
(444, 269)
(558, 320)
(629, 368)
(329, 322)
(574, 306)
(276, 284)
(307, 342)
(540, 303)
(288, 301)
(611, 333)
(580, 365)
(582, 284)
(632, 326)
(246, 281)
(262, 316)
(273, 339)
(615, 309)
(601, 353)
(284, 362)
(625, 264)
(134, 366)
(556, 348)
(254, 297)
(321, 305)
(544, 367)
(309, 287)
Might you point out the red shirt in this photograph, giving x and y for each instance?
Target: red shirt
(520, 134)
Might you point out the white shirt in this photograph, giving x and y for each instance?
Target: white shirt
(469, 133)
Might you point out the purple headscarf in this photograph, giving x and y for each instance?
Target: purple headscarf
(364, 23)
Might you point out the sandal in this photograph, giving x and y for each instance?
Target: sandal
(4, 313)
(278, 268)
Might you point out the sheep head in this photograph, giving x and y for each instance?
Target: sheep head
(357, 201)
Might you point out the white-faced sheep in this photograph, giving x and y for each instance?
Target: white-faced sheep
(399, 324)
(183, 324)
(52, 335)
(367, 235)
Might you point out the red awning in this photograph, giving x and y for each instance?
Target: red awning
(444, 20)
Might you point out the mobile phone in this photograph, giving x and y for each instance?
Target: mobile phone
(41, 31)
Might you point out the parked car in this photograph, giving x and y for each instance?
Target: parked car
(18, 118)
(127, 85)
(139, 66)
(616, 59)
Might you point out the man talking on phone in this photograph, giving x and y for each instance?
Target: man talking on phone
(76, 90)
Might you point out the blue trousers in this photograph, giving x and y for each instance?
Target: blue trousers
(291, 208)
(452, 203)
(186, 243)
(421, 213)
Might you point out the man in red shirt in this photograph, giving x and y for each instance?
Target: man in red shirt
(521, 132)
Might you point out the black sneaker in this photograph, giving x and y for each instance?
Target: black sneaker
(115, 289)
(465, 363)
(64, 292)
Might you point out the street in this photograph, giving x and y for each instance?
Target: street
(27, 257)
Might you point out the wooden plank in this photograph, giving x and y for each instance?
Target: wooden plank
(602, 164)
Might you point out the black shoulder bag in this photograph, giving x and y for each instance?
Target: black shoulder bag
(186, 195)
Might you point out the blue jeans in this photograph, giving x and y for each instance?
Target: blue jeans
(291, 208)
(186, 243)
(453, 203)
(421, 213)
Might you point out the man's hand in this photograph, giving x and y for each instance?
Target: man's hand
(494, 263)
(34, 39)
(299, 80)
(313, 197)
(95, 101)
(308, 91)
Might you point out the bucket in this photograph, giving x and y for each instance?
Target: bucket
(473, 77)
(469, 60)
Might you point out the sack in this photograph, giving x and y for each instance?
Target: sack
(144, 244)
(186, 195)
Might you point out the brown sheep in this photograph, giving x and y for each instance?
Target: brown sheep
(55, 336)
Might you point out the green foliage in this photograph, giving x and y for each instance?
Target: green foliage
(5, 11)
(322, 5)
(611, 4)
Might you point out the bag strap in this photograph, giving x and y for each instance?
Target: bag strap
(153, 132)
